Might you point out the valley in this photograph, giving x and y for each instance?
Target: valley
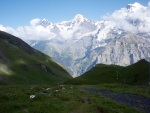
(31, 82)
(79, 65)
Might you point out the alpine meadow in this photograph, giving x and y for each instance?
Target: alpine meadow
(75, 56)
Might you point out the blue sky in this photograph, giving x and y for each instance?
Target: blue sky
(16, 13)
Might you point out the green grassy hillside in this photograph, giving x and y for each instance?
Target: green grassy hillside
(101, 73)
(21, 64)
(71, 99)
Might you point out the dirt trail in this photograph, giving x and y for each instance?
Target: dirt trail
(135, 101)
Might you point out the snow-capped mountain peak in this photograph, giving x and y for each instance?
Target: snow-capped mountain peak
(79, 43)
(134, 7)
(130, 18)
(136, 4)
(45, 23)
(79, 18)
(45, 20)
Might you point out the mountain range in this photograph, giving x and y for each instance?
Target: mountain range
(121, 38)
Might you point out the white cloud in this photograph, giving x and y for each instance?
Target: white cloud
(149, 4)
(136, 19)
(9, 30)
(35, 33)
(34, 22)
(32, 32)
(132, 21)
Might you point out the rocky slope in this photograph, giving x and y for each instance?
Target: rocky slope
(126, 50)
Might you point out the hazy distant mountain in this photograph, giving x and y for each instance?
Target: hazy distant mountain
(79, 44)
(21, 64)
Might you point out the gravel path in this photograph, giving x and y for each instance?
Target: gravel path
(135, 101)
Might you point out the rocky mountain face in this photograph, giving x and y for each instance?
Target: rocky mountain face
(123, 38)
(125, 51)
